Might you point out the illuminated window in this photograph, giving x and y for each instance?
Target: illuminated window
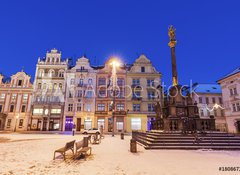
(38, 111)
(101, 107)
(55, 111)
(25, 96)
(136, 123)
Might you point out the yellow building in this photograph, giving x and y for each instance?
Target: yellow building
(141, 94)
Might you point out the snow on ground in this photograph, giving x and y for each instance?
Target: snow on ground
(33, 153)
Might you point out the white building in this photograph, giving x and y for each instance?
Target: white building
(231, 98)
(80, 96)
(49, 92)
(210, 103)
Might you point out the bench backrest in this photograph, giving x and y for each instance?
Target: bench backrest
(79, 145)
(69, 145)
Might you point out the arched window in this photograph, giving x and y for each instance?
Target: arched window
(53, 59)
(89, 81)
(39, 85)
(41, 73)
(51, 73)
(61, 73)
(57, 60)
(60, 85)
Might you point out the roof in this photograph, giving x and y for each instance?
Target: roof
(232, 73)
(207, 88)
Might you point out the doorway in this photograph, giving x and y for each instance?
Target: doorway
(79, 124)
(69, 124)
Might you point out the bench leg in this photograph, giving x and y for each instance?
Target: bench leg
(54, 155)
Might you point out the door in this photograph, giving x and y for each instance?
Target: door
(69, 124)
(79, 124)
(110, 124)
(44, 126)
(238, 126)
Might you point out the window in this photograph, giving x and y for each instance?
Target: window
(20, 123)
(120, 107)
(70, 95)
(120, 82)
(9, 123)
(87, 124)
(79, 107)
(25, 97)
(136, 81)
(142, 69)
(151, 95)
(90, 81)
(80, 82)
(231, 92)
(238, 106)
(222, 112)
(23, 108)
(200, 99)
(207, 100)
(101, 81)
(101, 123)
(61, 74)
(20, 82)
(213, 100)
(55, 111)
(136, 123)
(70, 107)
(102, 93)
(201, 112)
(136, 107)
(72, 81)
(79, 93)
(88, 107)
(150, 82)
(11, 108)
(2, 96)
(136, 94)
(1, 108)
(89, 94)
(55, 86)
(220, 100)
(82, 68)
(60, 85)
(151, 107)
(51, 73)
(235, 91)
(101, 107)
(234, 107)
(38, 111)
(14, 96)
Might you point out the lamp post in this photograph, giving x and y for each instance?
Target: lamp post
(114, 64)
(17, 116)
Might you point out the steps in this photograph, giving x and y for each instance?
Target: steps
(210, 140)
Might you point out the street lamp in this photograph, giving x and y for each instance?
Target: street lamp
(114, 64)
(17, 116)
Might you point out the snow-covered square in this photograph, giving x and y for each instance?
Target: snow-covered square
(33, 154)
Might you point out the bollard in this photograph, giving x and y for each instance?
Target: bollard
(85, 141)
(122, 136)
(133, 146)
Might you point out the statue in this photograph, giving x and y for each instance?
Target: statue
(171, 33)
(158, 109)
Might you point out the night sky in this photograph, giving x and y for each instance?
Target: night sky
(207, 34)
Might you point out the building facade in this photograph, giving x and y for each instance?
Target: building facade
(80, 96)
(231, 99)
(49, 93)
(15, 102)
(104, 108)
(142, 94)
(210, 103)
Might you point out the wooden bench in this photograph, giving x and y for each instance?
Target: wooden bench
(80, 149)
(63, 150)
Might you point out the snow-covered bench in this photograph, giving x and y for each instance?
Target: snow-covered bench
(63, 150)
(81, 149)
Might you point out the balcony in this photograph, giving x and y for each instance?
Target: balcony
(101, 112)
(81, 70)
(120, 113)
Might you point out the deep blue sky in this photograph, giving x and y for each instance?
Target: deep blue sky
(207, 33)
